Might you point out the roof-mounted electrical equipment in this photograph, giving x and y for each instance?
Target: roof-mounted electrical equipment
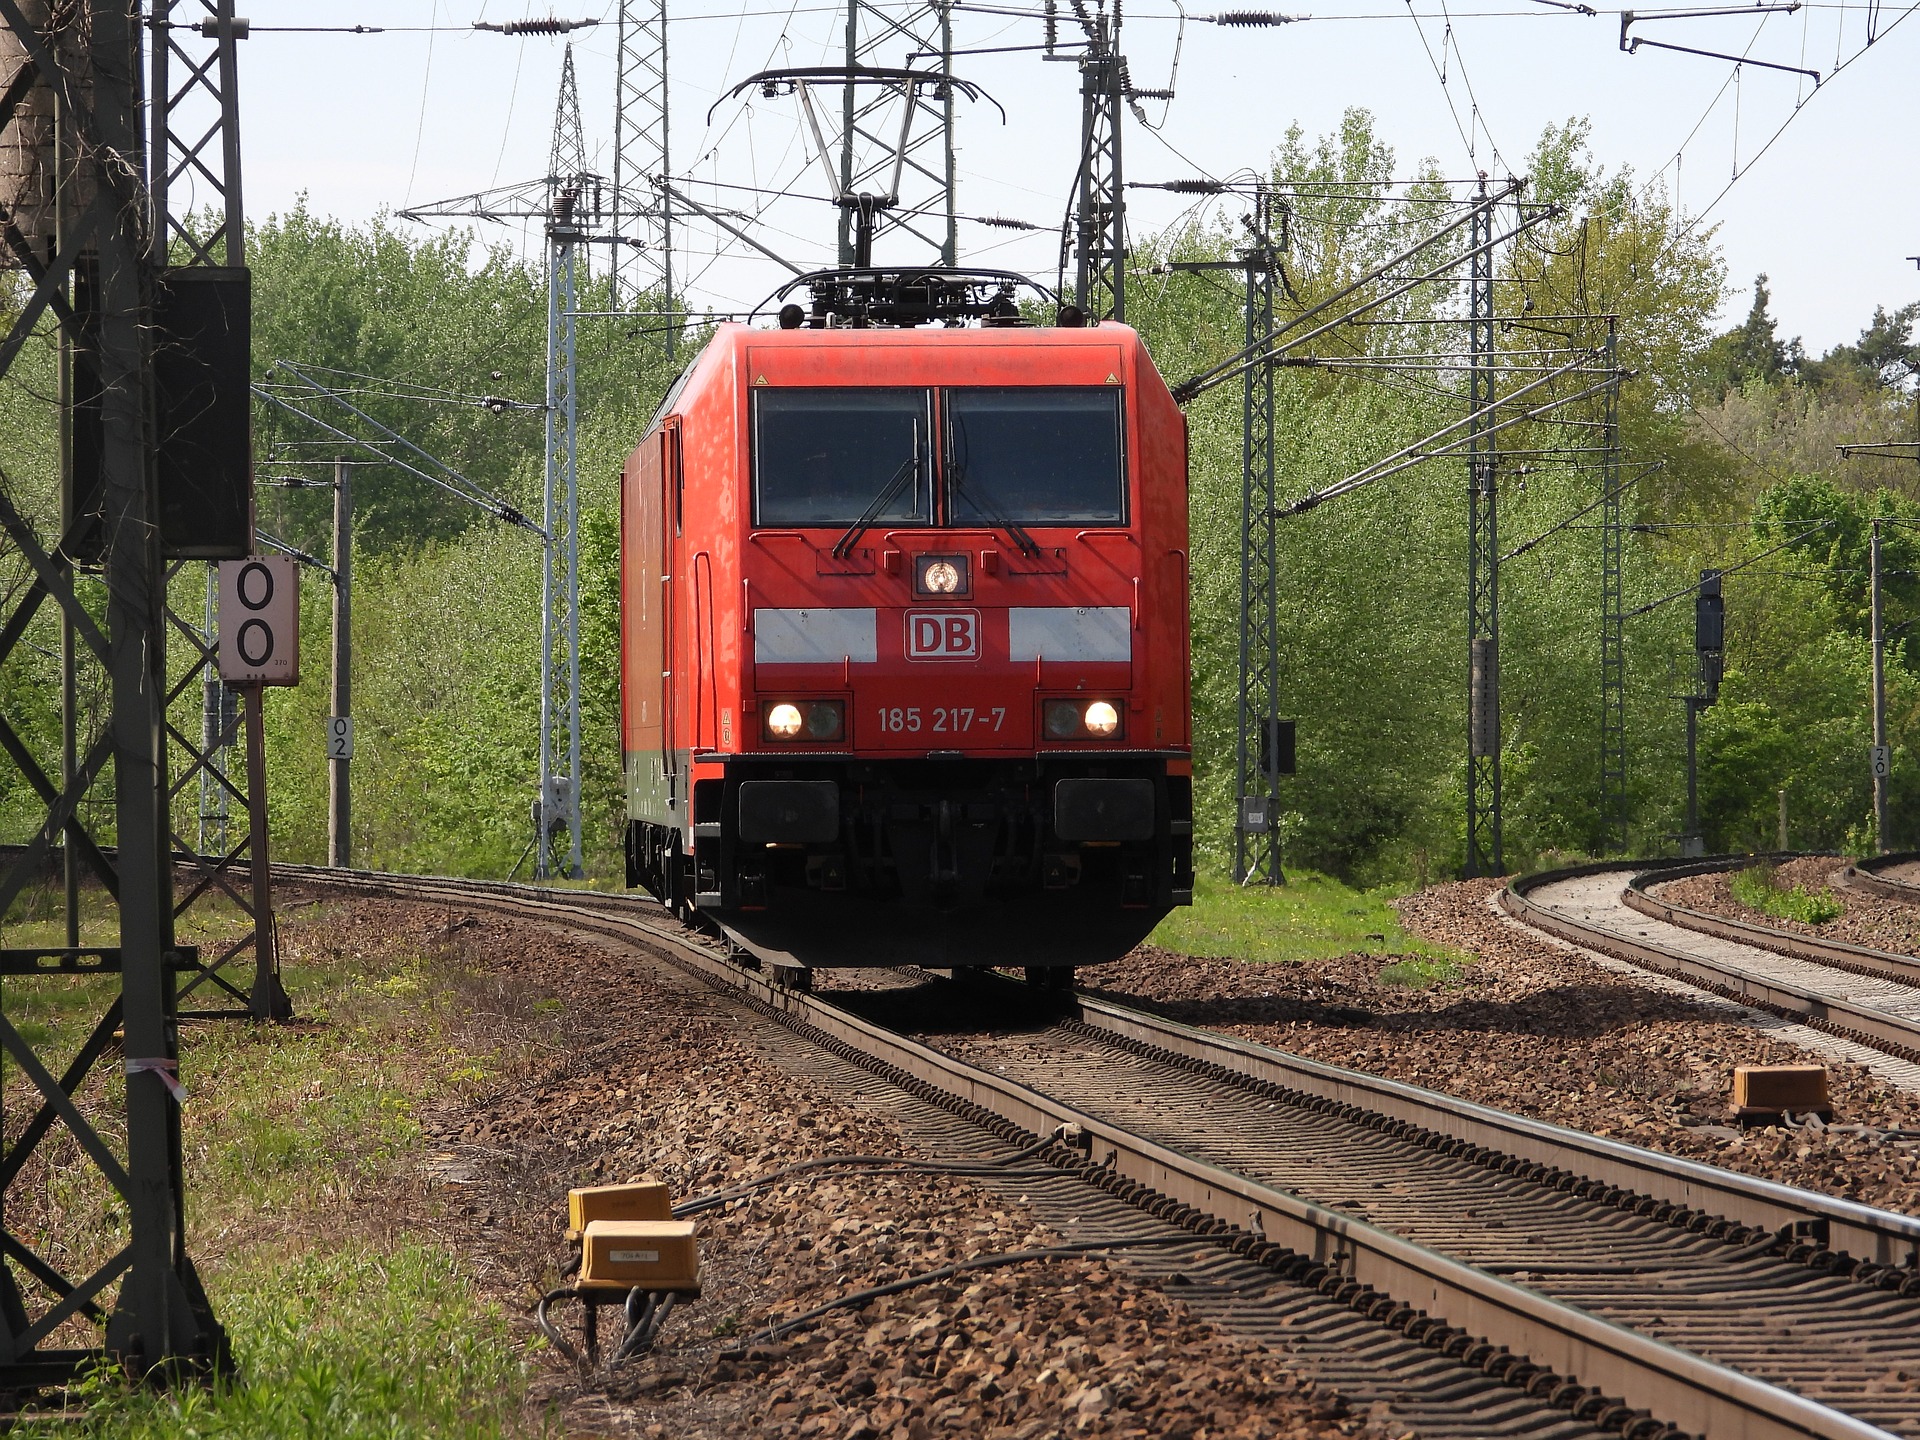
(873, 298)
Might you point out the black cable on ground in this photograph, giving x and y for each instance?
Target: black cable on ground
(554, 1337)
(978, 1262)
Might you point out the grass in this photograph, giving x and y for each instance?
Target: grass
(353, 1342)
(1758, 888)
(1311, 917)
(300, 1143)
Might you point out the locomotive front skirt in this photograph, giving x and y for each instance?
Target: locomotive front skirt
(904, 645)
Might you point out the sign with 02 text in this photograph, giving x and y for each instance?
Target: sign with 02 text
(260, 621)
(339, 737)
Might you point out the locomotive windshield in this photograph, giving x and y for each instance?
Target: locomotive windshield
(1035, 456)
(828, 456)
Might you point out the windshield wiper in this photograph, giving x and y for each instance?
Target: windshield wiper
(843, 547)
(1000, 519)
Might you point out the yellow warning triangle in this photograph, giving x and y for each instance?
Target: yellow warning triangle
(759, 379)
(1113, 379)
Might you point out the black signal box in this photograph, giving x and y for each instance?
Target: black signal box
(202, 339)
(1277, 747)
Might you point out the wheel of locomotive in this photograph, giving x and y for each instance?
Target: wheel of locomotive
(1051, 979)
(674, 868)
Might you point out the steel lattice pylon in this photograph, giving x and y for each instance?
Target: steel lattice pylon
(159, 1320)
(1484, 855)
(570, 189)
(640, 154)
(568, 201)
(1098, 237)
(870, 146)
(196, 139)
(1613, 650)
(1257, 744)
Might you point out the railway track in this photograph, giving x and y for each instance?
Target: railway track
(1892, 877)
(1868, 996)
(1607, 1287)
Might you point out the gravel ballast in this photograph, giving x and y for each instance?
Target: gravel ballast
(1535, 1029)
(1869, 920)
(648, 1072)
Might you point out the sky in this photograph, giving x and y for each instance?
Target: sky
(1813, 184)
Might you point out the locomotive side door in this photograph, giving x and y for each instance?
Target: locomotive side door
(645, 622)
(672, 498)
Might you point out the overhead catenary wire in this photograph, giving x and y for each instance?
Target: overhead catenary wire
(1524, 546)
(1684, 590)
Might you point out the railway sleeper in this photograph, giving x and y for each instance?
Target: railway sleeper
(1584, 1402)
(1801, 1243)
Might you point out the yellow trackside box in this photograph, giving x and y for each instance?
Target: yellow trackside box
(643, 1199)
(1765, 1088)
(642, 1254)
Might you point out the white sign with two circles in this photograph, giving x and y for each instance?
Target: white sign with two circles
(260, 621)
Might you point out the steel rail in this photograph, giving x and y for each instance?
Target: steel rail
(1861, 959)
(1838, 1013)
(1682, 1389)
(1884, 1237)
(1865, 875)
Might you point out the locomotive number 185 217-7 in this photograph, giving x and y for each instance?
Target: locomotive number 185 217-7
(940, 719)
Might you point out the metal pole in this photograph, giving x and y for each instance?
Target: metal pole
(847, 106)
(1256, 836)
(268, 1001)
(153, 1320)
(340, 775)
(69, 766)
(1484, 850)
(950, 238)
(1691, 842)
(1880, 769)
(1613, 649)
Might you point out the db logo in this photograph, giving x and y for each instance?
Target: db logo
(943, 635)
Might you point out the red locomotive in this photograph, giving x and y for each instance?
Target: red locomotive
(904, 642)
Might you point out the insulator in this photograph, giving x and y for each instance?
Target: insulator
(536, 27)
(1150, 94)
(1053, 25)
(1003, 222)
(1253, 17)
(1196, 187)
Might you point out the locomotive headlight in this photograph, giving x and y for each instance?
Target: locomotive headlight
(1080, 719)
(825, 720)
(783, 721)
(941, 576)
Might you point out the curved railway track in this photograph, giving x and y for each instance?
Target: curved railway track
(1868, 996)
(1644, 1294)
(1892, 877)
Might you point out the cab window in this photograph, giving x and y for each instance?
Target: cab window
(830, 456)
(1035, 456)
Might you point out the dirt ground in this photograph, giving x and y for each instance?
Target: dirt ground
(623, 1073)
(628, 1075)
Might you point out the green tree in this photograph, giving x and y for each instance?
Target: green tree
(1752, 350)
